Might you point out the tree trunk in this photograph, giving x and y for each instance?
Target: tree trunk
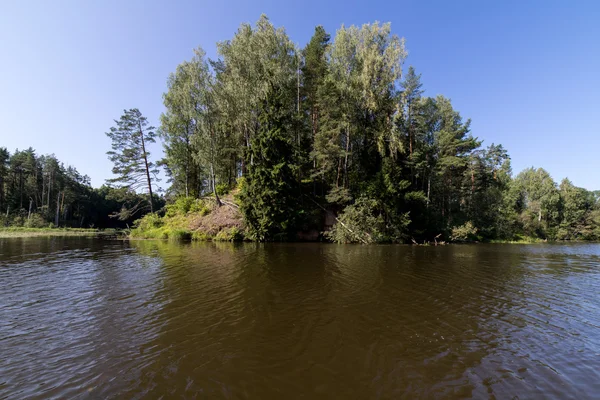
(49, 189)
(298, 86)
(214, 185)
(57, 210)
(339, 170)
(30, 204)
(151, 200)
(346, 157)
(1, 191)
(428, 189)
(21, 188)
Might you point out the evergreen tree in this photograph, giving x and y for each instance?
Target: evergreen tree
(4, 168)
(314, 72)
(130, 156)
(269, 198)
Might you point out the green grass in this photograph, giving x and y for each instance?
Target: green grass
(520, 240)
(20, 232)
(180, 224)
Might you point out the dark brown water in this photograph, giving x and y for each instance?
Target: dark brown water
(82, 318)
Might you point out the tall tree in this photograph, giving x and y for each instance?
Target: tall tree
(130, 156)
(539, 201)
(4, 164)
(250, 64)
(314, 72)
(270, 193)
(179, 124)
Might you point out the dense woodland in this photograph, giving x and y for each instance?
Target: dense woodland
(339, 127)
(40, 191)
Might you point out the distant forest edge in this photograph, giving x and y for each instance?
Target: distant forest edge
(330, 142)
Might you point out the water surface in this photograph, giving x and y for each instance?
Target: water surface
(85, 318)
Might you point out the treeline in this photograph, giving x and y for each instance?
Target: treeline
(39, 191)
(338, 128)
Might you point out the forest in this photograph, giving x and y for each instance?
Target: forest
(340, 127)
(40, 191)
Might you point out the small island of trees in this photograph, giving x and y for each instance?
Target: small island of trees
(336, 141)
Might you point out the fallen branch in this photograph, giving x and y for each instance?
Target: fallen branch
(227, 203)
(338, 220)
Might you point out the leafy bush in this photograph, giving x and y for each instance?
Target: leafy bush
(148, 221)
(232, 234)
(36, 221)
(464, 233)
(199, 206)
(179, 235)
(363, 222)
(222, 189)
(200, 236)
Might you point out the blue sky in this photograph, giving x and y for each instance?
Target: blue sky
(526, 72)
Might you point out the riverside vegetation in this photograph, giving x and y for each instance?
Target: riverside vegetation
(336, 141)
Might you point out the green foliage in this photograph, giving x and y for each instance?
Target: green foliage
(223, 189)
(46, 232)
(200, 236)
(179, 235)
(35, 221)
(149, 221)
(337, 128)
(41, 185)
(464, 233)
(229, 235)
(130, 156)
(364, 222)
(269, 194)
(185, 205)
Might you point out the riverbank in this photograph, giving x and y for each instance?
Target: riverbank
(202, 220)
(194, 219)
(19, 232)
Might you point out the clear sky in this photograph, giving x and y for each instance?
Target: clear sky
(526, 72)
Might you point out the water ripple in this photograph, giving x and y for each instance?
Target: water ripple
(82, 318)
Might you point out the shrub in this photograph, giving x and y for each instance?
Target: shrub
(200, 236)
(181, 205)
(35, 221)
(362, 222)
(222, 189)
(148, 221)
(199, 206)
(464, 233)
(179, 235)
(232, 234)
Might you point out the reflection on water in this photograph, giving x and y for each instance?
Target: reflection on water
(88, 318)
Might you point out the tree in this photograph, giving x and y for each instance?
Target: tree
(269, 198)
(209, 139)
(130, 156)
(4, 165)
(314, 72)
(538, 202)
(577, 212)
(179, 124)
(453, 145)
(250, 64)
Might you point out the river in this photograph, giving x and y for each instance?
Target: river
(88, 318)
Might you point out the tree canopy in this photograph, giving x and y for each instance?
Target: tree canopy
(338, 137)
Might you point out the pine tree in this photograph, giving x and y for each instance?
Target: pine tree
(4, 163)
(130, 138)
